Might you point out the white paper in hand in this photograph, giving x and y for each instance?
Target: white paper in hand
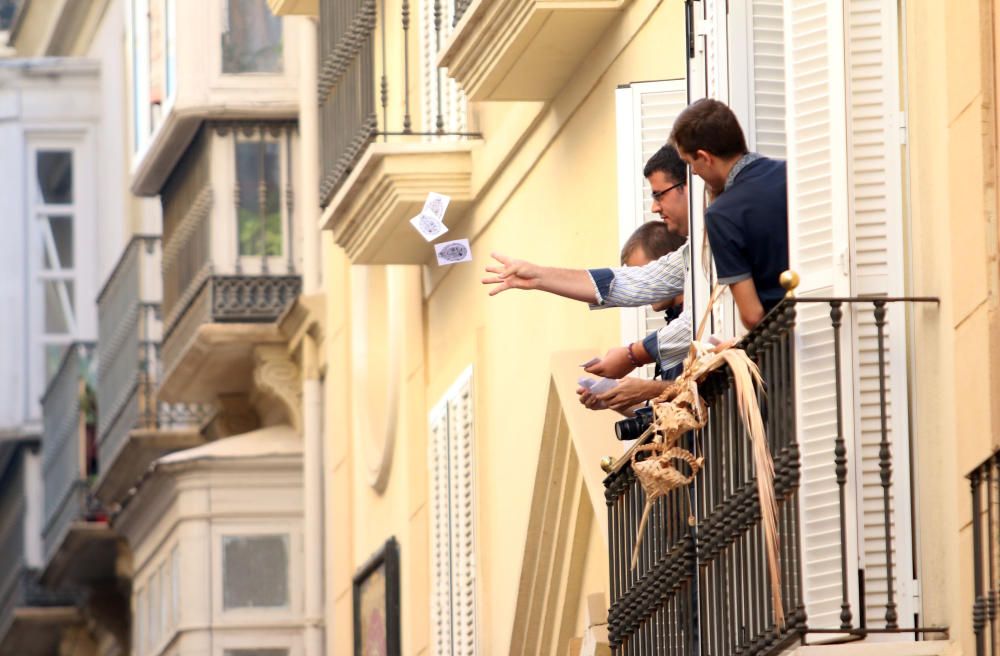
(429, 227)
(436, 205)
(598, 386)
(453, 252)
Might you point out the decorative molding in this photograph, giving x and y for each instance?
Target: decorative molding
(369, 215)
(276, 376)
(524, 49)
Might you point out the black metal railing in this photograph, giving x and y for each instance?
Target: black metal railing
(985, 482)
(354, 34)
(68, 445)
(129, 359)
(701, 587)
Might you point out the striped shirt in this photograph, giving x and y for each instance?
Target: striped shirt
(657, 281)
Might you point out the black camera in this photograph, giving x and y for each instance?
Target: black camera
(633, 427)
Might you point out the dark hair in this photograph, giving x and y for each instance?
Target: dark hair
(708, 125)
(654, 239)
(667, 160)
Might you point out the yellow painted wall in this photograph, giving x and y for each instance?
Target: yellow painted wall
(546, 182)
(952, 120)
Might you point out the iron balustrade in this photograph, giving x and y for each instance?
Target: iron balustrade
(68, 446)
(701, 582)
(129, 329)
(357, 104)
(985, 484)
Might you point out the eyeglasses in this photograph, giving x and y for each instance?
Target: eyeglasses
(657, 195)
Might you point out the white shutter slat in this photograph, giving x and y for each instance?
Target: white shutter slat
(645, 115)
(877, 238)
(451, 458)
(817, 176)
(768, 90)
(440, 531)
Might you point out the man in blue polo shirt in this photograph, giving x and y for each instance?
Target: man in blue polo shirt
(747, 224)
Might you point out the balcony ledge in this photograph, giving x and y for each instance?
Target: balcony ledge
(294, 7)
(87, 554)
(153, 167)
(524, 49)
(217, 361)
(36, 630)
(140, 450)
(370, 214)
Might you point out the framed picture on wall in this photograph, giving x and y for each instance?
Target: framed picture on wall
(376, 604)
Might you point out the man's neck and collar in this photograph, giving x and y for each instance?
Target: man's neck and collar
(737, 166)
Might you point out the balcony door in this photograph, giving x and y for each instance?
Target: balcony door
(846, 239)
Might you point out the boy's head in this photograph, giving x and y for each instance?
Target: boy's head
(709, 138)
(667, 176)
(650, 241)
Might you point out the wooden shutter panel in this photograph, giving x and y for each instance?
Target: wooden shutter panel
(439, 460)
(817, 212)
(645, 114)
(768, 80)
(453, 591)
(875, 172)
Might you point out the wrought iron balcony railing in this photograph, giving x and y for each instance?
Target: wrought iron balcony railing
(128, 369)
(985, 480)
(68, 446)
(358, 104)
(701, 584)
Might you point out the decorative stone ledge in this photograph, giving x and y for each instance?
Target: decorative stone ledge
(524, 49)
(370, 214)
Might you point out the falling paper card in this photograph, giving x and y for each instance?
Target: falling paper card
(429, 227)
(453, 252)
(436, 205)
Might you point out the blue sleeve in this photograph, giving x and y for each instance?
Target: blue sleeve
(728, 247)
(651, 344)
(602, 281)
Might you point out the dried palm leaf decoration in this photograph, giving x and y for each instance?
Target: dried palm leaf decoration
(679, 409)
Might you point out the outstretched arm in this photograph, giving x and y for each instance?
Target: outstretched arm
(518, 274)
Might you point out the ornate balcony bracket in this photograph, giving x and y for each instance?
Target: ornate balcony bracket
(277, 386)
(524, 49)
(370, 214)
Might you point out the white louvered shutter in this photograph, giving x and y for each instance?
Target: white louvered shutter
(818, 245)
(453, 590)
(441, 97)
(645, 114)
(875, 183)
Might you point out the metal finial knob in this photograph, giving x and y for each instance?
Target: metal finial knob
(607, 464)
(789, 281)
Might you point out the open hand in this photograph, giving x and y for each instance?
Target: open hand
(513, 274)
(589, 400)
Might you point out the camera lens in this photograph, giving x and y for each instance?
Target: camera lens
(633, 427)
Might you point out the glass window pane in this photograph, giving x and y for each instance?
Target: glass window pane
(53, 358)
(251, 39)
(55, 176)
(255, 571)
(62, 235)
(8, 12)
(58, 315)
(252, 160)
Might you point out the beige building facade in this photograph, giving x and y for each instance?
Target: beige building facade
(289, 431)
